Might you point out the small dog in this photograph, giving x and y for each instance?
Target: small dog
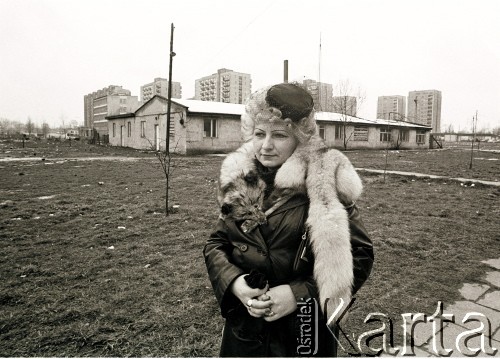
(242, 200)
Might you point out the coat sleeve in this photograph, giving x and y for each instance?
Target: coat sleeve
(362, 249)
(362, 256)
(221, 271)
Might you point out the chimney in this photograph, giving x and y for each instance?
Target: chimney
(285, 72)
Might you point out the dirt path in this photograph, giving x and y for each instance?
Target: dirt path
(423, 175)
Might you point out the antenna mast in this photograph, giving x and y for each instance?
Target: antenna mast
(319, 59)
(319, 73)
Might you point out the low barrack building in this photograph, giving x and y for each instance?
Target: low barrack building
(214, 127)
(349, 132)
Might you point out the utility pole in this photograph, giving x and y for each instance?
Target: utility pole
(172, 54)
(169, 103)
(474, 125)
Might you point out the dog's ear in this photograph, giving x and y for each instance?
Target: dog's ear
(251, 178)
(226, 209)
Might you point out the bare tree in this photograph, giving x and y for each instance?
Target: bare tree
(167, 164)
(73, 124)
(398, 139)
(17, 127)
(30, 126)
(5, 126)
(45, 129)
(346, 102)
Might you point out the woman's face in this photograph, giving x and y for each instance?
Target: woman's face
(273, 143)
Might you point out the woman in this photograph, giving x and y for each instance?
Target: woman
(289, 244)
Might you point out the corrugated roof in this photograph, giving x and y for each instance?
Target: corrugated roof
(338, 117)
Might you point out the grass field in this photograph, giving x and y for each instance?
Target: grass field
(446, 162)
(90, 266)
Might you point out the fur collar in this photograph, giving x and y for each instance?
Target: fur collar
(330, 181)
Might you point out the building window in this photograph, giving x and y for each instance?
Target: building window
(360, 133)
(385, 135)
(405, 135)
(129, 129)
(322, 132)
(338, 132)
(209, 128)
(420, 136)
(143, 129)
(114, 129)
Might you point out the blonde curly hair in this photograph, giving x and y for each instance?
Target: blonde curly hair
(285, 103)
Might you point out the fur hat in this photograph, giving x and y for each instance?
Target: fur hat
(286, 102)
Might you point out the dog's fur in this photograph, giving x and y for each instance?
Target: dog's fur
(241, 191)
(243, 197)
(330, 182)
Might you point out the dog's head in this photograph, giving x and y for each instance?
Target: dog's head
(243, 198)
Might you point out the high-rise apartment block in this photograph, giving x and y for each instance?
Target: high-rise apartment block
(391, 107)
(346, 105)
(160, 87)
(322, 94)
(224, 86)
(424, 107)
(111, 100)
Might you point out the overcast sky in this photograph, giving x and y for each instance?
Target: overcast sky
(53, 52)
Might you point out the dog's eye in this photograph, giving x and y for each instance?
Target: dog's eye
(226, 209)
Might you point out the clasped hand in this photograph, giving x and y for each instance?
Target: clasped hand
(268, 303)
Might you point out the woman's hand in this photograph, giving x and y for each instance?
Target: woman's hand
(247, 295)
(283, 302)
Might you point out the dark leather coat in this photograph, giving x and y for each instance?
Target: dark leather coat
(272, 249)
